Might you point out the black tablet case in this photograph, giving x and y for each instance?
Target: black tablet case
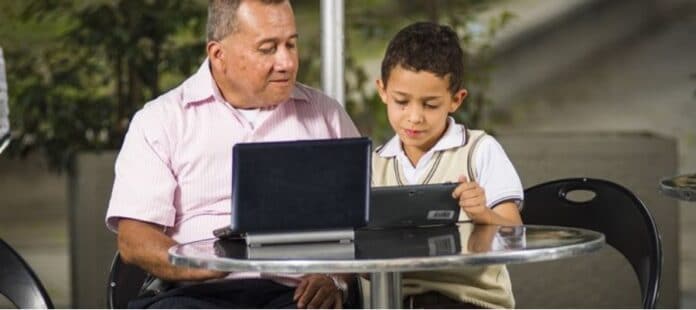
(413, 205)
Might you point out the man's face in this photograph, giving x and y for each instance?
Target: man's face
(417, 107)
(257, 64)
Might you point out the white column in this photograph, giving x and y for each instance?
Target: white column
(332, 42)
(4, 108)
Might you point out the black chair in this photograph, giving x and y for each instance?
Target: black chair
(608, 208)
(19, 283)
(124, 284)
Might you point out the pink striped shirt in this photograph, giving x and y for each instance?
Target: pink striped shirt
(174, 168)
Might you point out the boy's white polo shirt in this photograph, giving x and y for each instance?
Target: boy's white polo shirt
(497, 175)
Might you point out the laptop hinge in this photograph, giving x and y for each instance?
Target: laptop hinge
(338, 235)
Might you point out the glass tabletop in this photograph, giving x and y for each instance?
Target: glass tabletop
(681, 187)
(407, 249)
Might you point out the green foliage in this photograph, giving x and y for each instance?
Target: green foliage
(90, 65)
(78, 70)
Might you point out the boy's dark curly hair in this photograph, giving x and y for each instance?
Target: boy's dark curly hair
(426, 46)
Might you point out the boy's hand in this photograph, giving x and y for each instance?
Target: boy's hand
(472, 199)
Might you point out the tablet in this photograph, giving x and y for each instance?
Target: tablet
(413, 205)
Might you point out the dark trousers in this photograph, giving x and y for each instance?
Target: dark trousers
(234, 294)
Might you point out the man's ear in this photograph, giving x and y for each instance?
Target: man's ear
(457, 99)
(381, 91)
(215, 54)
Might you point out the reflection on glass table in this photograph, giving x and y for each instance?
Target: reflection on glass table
(681, 187)
(385, 254)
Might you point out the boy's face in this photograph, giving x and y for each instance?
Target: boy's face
(418, 104)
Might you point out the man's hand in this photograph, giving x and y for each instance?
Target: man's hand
(472, 199)
(145, 245)
(318, 291)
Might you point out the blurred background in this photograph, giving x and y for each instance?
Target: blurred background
(612, 80)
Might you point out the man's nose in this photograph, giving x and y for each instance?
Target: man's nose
(286, 60)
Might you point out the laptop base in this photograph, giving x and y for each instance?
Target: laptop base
(287, 237)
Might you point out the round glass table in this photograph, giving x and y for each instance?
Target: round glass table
(385, 254)
(681, 187)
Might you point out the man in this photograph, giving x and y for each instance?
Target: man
(173, 172)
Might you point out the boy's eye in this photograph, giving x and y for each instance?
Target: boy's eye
(401, 102)
(431, 104)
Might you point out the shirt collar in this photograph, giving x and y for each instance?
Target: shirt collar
(455, 136)
(201, 88)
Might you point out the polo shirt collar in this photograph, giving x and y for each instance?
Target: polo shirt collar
(455, 136)
(201, 88)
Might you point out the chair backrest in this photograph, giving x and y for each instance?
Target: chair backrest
(124, 283)
(608, 208)
(18, 282)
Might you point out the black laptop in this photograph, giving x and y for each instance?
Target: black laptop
(304, 185)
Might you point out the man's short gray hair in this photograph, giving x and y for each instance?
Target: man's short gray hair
(222, 17)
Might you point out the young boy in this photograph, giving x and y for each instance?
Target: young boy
(421, 84)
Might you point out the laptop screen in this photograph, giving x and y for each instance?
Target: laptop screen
(300, 185)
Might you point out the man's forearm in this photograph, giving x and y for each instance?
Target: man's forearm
(145, 245)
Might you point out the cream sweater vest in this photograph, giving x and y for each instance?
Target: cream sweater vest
(486, 286)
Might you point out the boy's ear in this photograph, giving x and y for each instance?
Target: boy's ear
(381, 91)
(457, 100)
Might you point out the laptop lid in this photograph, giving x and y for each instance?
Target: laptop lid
(413, 205)
(300, 185)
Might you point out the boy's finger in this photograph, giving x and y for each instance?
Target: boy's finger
(457, 191)
(473, 201)
(463, 189)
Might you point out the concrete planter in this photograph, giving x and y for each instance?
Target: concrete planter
(92, 245)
